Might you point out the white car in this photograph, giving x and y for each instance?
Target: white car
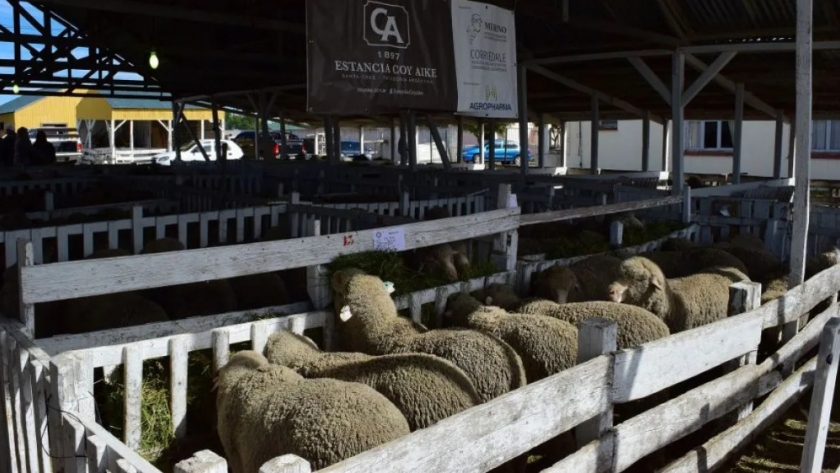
(191, 152)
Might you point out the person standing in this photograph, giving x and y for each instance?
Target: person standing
(24, 152)
(44, 150)
(7, 147)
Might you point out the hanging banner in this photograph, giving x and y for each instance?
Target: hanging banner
(484, 40)
(367, 57)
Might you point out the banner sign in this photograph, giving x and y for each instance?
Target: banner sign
(484, 37)
(383, 56)
(367, 56)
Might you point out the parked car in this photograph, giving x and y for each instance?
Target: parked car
(192, 152)
(352, 150)
(294, 144)
(506, 152)
(68, 146)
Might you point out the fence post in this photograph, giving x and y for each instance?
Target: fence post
(686, 207)
(744, 297)
(137, 228)
(25, 257)
(616, 234)
(405, 204)
(819, 414)
(285, 464)
(505, 244)
(596, 337)
(204, 461)
(294, 217)
(49, 202)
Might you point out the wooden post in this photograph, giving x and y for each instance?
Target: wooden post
(460, 140)
(286, 464)
(204, 461)
(49, 201)
(777, 150)
(25, 257)
(677, 110)
(744, 297)
(687, 205)
(329, 142)
(524, 162)
(616, 234)
(542, 145)
(393, 141)
(316, 283)
(411, 141)
(294, 217)
(137, 228)
(791, 144)
(492, 123)
(564, 136)
(505, 244)
(336, 139)
(283, 151)
(595, 119)
(481, 139)
(112, 135)
(666, 140)
(737, 134)
(217, 134)
(646, 141)
(596, 337)
(823, 394)
(201, 131)
(802, 155)
(435, 134)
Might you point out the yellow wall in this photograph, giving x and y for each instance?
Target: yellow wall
(48, 110)
(7, 119)
(93, 108)
(162, 114)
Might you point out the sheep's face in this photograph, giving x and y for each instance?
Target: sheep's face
(500, 295)
(634, 291)
(460, 305)
(617, 291)
(442, 261)
(557, 284)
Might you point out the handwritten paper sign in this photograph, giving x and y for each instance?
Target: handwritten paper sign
(512, 201)
(391, 239)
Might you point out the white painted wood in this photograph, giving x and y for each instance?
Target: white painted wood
(221, 349)
(744, 297)
(595, 457)
(123, 466)
(27, 409)
(616, 233)
(721, 448)
(804, 341)
(596, 337)
(821, 399)
(27, 311)
(286, 464)
(133, 381)
(41, 415)
(204, 461)
(136, 230)
(8, 424)
(654, 366)
(178, 366)
(94, 277)
(317, 285)
(74, 434)
(801, 299)
(585, 212)
(97, 454)
(485, 436)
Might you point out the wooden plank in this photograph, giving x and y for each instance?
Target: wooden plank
(133, 369)
(60, 344)
(488, 435)
(178, 366)
(26, 408)
(721, 448)
(596, 337)
(97, 454)
(39, 381)
(8, 437)
(94, 277)
(658, 365)
(821, 399)
(800, 299)
(561, 215)
(221, 348)
(286, 464)
(204, 461)
(595, 457)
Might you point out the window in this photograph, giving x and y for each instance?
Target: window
(825, 135)
(712, 136)
(511, 144)
(608, 125)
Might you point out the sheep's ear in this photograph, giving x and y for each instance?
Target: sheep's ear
(488, 300)
(345, 314)
(655, 283)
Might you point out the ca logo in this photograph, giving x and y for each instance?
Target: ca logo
(386, 25)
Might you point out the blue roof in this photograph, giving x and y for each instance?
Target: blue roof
(18, 103)
(152, 103)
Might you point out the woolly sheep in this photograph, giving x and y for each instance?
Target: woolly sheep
(265, 411)
(585, 280)
(294, 279)
(257, 291)
(546, 345)
(193, 299)
(461, 257)
(425, 388)
(677, 244)
(682, 303)
(370, 324)
(760, 263)
(636, 326)
(437, 260)
(111, 311)
(675, 264)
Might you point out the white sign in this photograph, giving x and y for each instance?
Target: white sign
(485, 59)
(389, 239)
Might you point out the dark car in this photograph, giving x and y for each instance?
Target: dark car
(245, 140)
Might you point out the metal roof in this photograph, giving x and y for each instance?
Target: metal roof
(240, 45)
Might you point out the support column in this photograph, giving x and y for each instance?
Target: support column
(777, 149)
(541, 130)
(131, 137)
(522, 83)
(482, 137)
(666, 145)
(460, 141)
(393, 141)
(284, 152)
(791, 143)
(202, 135)
(411, 141)
(404, 159)
(646, 141)
(329, 141)
(217, 133)
(564, 144)
(492, 159)
(316, 143)
(169, 132)
(594, 135)
(336, 123)
(361, 139)
(112, 136)
(176, 115)
(677, 109)
(737, 134)
(265, 139)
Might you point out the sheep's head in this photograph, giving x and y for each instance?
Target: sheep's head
(442, 259)
(460, 305)
(639, 279)
(500, 295)
(341, 278)
(238, 364)
(556, 283)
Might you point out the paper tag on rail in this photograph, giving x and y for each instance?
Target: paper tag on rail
(513, 201)
(391, 239)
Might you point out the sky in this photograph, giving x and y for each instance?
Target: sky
(7, 49)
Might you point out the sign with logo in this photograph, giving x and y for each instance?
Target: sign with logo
(484, 38)
(379, 56)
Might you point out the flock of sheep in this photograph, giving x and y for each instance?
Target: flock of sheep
(396, 376)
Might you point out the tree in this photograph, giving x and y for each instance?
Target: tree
(475, 129)
(240, 122)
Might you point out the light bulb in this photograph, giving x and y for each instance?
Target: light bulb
(153, 60)
(15, 88)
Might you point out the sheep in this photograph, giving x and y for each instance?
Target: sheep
(759, 262)
(745, 240)
(460, 256)
(585, 280)
(295, 279)
(370, 324)
(682, 303)
(110, 311)
(546, 345)
(425, 388)
(675, 264)
(677, 244)
(437, 260)
(265, 411)
(192, 299)
(257, 291)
